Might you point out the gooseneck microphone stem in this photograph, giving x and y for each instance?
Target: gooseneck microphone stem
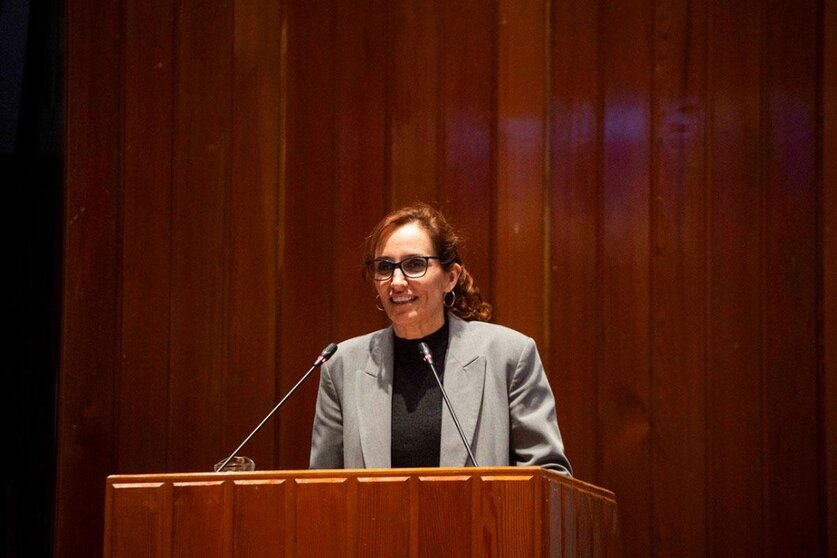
(427, 356)
(324, 356)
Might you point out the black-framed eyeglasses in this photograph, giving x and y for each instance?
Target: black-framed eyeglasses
(414, 267)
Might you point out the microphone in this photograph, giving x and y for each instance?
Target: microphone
(325, 354)
(427, 356)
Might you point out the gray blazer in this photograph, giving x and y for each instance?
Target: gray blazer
(493, 377)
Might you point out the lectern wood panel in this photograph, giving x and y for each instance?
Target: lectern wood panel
(468, 512)
(505, 532)
(260, 509)
(385, 529)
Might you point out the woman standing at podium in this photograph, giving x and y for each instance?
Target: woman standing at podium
(379, 404)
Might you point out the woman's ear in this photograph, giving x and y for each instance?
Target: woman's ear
(455, 272)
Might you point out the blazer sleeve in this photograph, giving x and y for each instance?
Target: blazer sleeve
(327, 435)
(535, 437)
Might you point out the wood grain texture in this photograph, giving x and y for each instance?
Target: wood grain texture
(141, 517)
(468, 75)
(678, 279)
(307, 232)
(146, 223)
(575, 219)
(828, 234)
(87, 424)
(360, 183)
(257, 507)
(414, 102)
(504, 532)
(734, 338)
(384, 529)
(490, 511)
(519, 230)
(626, 258)
(251, 387)
(646, 188)
(790, 367)
(201, 519)
(200, 235)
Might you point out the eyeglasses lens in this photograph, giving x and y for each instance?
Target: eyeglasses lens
(412, 268)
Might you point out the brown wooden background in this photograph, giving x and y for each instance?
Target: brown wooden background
(646, 187)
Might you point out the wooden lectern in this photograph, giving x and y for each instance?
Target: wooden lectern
(488, 511)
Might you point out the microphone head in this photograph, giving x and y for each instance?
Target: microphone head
(425, 352)
(328, 352)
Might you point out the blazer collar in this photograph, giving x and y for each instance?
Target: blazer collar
(374, 400)
(464, 384)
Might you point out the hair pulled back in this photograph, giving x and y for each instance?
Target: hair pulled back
(469, 304)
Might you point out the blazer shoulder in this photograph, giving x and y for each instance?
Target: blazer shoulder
(495, 333)
(357, 350)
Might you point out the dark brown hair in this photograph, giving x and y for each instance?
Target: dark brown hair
(469, 304)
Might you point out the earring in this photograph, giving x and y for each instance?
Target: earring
(445, 299)
(378, 303)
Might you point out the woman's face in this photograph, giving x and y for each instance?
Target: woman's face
(415, 306)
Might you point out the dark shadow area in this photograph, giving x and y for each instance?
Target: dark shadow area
(31, 175)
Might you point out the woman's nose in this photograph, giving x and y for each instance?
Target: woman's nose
(398, 277)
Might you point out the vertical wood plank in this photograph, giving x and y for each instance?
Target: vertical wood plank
(439, 497)
(466, 168)
(625, 390)
(518, 285)
(574, 287)
(678, 271)
(146, 222)
(383, 523)
(828, 233)
(257, 505)
(569, 526)
(506, 512)
(308, 234)
(360, 195)
(414, 102)
(735, 410)
(139, 518)
(200, 519)
(253, 222)
(583, 523)
(91, 250)
(790, 350)
(322, 517)
(553, 543)
(199, 332)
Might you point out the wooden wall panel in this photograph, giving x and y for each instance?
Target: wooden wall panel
(200, 226)
(575, 140)
(86, 430)
(734, 338)
(468, 87)
(414, 101)
(790, 354)
(251, 387)
(306, 271)
(638, 183)
(146, 237)
(575, 220)
(520, 206)
(678, 280)
(828, 235)
(625, 395)
(361, 151)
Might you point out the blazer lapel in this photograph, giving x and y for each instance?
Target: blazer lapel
(464, 383)
(374, 401)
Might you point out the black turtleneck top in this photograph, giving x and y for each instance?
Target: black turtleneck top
(417, 401)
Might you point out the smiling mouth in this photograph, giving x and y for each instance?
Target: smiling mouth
(402, 299)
